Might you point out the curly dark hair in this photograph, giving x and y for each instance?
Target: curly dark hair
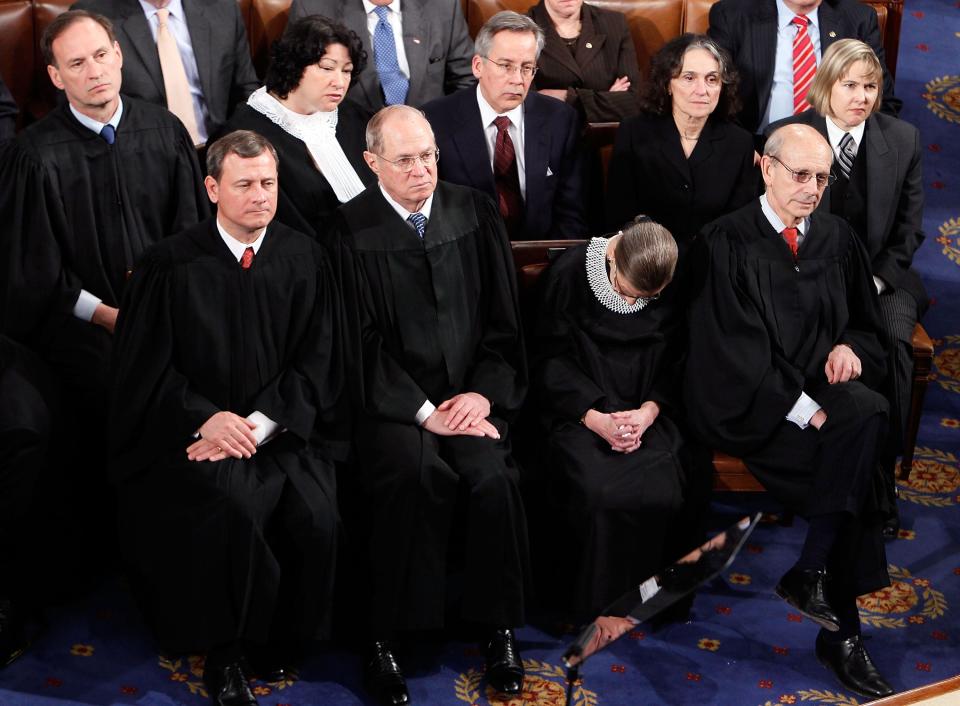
(302, 45)
(666, 64)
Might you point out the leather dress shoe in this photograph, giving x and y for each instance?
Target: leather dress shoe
(504, 668)
(383, 678)
(13, 635)
(805, 590)
(849, 661)
(228, 686)
(273, 666)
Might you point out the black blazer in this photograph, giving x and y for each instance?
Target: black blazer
(604, 53)
(435, 41)
(649, 174)
(219, 42)
(894, 197)
(748, 30)
(554, 189)
(306, 201)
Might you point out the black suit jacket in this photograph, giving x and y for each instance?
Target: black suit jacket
(649, 174)
(553, 203)
(604, 53)
(219, 42)
(435, 41)
(894, 197)
(748, 30)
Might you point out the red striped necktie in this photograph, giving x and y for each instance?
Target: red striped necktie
(247, 259)
(804, 64)
(790, 235)
(506, 178)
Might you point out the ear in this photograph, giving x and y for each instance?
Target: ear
(54, 73)
(766, 169)
(371, 159)
(116, 47)
(213, 189)
(477, 66)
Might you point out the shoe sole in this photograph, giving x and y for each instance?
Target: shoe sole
(841, 682)
(822, 622)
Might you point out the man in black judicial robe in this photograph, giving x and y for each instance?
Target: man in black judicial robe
(226, 365)
(430, 288)
(80, 208)
(785, 370)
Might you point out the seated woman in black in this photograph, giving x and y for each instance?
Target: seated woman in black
(588, 59)
(620, 479)
(318, 136)
(682, 162)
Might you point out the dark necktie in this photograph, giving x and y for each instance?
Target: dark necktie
(846, 154)
(419, 222)
(247, 259)
(790, 235)
(392, 80)
(506, 177)
(804, 64)
(109, 134)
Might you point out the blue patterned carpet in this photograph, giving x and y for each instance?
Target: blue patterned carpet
(743, 646)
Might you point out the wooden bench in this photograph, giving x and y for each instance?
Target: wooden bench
(532, 257)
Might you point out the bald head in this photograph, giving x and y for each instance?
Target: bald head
(399, 133)
(794, 153)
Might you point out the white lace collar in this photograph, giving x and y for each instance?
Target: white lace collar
(599, 280)
(300, 126)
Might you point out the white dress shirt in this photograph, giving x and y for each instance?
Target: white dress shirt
(87, 302)
(487, 116)
(781, 91)
(266, 428)
(396, 24)
(805, 406)
(177, 23)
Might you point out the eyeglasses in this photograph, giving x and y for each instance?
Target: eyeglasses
(802, 176)
(508, 68)
(406, 164)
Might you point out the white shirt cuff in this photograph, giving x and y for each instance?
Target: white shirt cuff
(879, 284)
(803, 409)
(266, 427)
(425, 411)
(86, 305)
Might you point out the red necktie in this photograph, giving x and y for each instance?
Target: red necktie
(247, 258)
(506, 178)
(804, 64)
(790, 235)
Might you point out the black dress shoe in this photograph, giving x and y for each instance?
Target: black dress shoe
(805, 590)
(273, 665)
(383, 678)
(504, 668)
(849, 661)
(13, 635)
(228, 686)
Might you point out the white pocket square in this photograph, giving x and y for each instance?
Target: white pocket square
(549, 171)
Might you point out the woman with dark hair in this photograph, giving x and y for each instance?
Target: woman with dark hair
(682, 162)
(588, 59)
(620, 480)
(318, 136)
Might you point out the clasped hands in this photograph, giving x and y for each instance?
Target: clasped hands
(622, 430)
(462, 415)
(224, 434)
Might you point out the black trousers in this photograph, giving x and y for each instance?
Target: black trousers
(241, 549)
(898, 311)
(415, 486)
(837, 469)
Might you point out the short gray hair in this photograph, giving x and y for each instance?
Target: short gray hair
(506, 21)
(246, 144)
(374, 133)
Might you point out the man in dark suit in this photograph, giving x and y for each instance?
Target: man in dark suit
(514, 144)
(427, 50)
(759, 34)
(213, 49)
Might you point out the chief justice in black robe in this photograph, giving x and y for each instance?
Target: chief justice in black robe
(785, 370)
(430, 286)
(230, 537)
(609, 342)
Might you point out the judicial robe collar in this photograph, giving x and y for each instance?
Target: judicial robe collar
(778, 225)
(94, 125)
(236, 247)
